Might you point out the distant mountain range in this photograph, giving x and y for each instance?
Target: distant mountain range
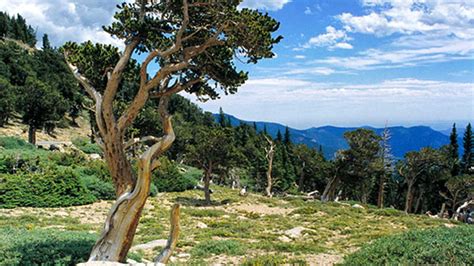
(403, 139)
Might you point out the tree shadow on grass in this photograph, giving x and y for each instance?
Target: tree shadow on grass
(187, 201)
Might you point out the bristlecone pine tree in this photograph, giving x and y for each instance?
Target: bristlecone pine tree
(192, 44)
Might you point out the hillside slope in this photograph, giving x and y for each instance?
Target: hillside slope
(403, 139)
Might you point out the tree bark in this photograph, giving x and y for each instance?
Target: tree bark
(380, 197)
(32, 134)
(270, 153)
(173, 238)
(207, 183)
(330, 189)
(302, 176)
(419, 201)
(409, 198)
(122, 220)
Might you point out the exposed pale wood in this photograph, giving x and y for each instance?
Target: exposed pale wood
(270, 152)
(165, 254)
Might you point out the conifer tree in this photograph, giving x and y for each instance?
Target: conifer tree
(454, 151)
(46, 43)
(467, 158)
(287, 137)
(222, 118)
(279, 137)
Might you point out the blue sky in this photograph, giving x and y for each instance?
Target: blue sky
(341, 62)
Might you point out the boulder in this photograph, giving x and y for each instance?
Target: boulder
(357, 206)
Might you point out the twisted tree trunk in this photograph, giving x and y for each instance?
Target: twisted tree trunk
(409, 198)
(330, 189)
(122, 220)
(270, 153)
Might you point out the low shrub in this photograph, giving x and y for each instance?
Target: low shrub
(167, 178)
(217, 247)
(450, 246)
(58, 188)
(86, 146)
(101, 189)
(96, 168)
(12, 143)
(67, 159)
(44, 247)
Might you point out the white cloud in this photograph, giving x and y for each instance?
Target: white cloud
(308, 11)
(325, 71)
(425, 31)
(265, 4)
(301, 103)
(333, 38)
(300, 56)
(66, 20)
(442, 51)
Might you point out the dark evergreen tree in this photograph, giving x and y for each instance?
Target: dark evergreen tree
(39, 104)
(222, 120)
(279, 137)
(4, 23)
(467, 158)
(7, 101)
(454, 151)
(46, 43)
(287, 137)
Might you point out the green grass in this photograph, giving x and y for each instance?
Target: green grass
(440, 246)
(249, 237)
(217, 247)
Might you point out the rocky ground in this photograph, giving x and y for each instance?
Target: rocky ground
(237, 229)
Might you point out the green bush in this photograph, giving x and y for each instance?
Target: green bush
(67, 159)
(450, 246)
(12, 143)
(217, 247)
(86, 146)
(167, 178)
(44, 247)
(60, 188)
(101, 189)
(96, 168)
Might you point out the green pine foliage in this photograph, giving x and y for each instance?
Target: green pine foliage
(16, 28)
(440, 246)
(168, 178)
(44, 247)
(59, 188)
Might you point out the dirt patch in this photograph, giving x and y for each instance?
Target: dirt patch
(88, 214)
(323, 259)
(262, 209)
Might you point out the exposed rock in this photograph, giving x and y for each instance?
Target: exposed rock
(95, 156)
(357, 206)
(284, 239)
(183, 255)
(201, 225)
(111, 263)
(150, 245)
(295, 232)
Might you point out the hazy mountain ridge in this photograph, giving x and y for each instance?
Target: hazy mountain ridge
(403, 139)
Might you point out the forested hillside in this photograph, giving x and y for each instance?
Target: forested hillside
(331, 139)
